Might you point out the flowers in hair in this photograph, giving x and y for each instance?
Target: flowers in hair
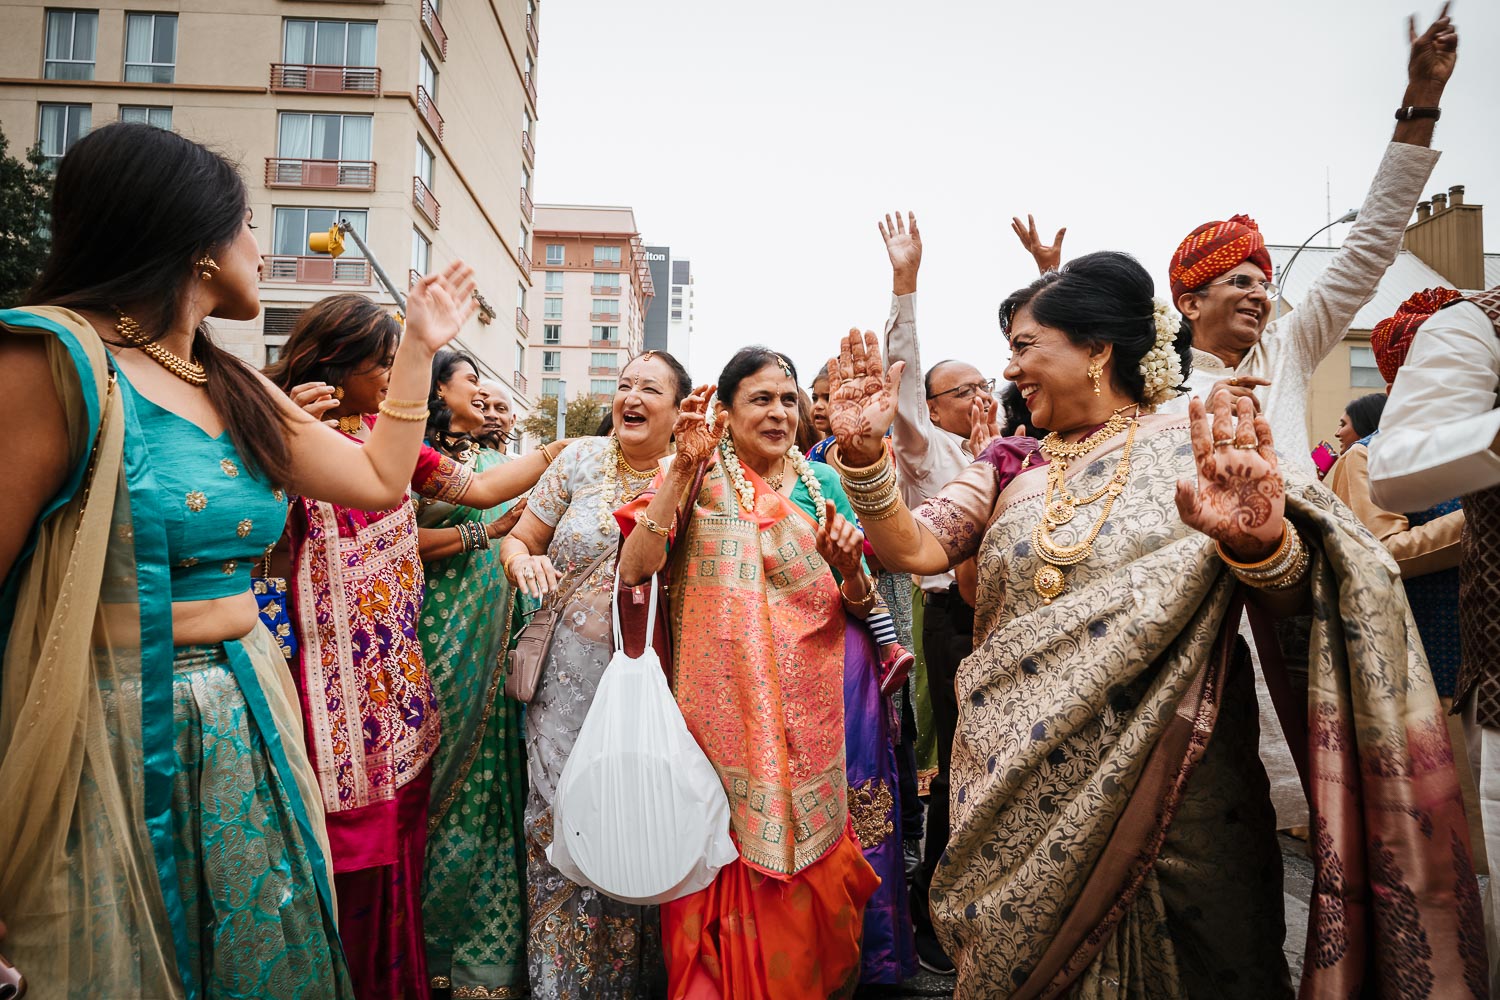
(1161, 367)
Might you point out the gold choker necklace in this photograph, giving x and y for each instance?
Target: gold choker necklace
(352, 423)
(189, 371)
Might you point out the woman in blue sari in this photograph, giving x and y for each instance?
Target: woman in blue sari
(162, 834)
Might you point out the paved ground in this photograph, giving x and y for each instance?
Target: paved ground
(1297, 882)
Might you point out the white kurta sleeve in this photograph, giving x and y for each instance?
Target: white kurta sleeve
(1438, 430)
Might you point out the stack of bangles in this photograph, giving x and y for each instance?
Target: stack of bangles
(1282, 570)
(474, 535)
(873, 491)
(548, 454)
(410, 410)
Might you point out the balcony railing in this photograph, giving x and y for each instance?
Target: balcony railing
(522, 323)
(528, 210)
(427, 108)
(611, 370)
(531, 32)
(434, 28)
(333, 175)
(527, 149)
(519, 381)
(412, 277)
(606, 265)
(601, 345)
(604, 317)
(525, 260)
(605, 289)
(310, 79)
(423, 199)
(317, 270)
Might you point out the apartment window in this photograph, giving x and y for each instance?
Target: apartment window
(1363, 372)
(606, 333)
(677, 314)
(427, 75)
(424, 163)
(606, 255)
(520, 296)
(602, 387)
(160, 117)
(552, 361)
(61, 125)
(606, 306)
(520, 357)
(421, 252)
(677, 302)
(552, 333)
(555, 253)
(522, 240)
(324, 137)
(552, 309)
(551, 387)
(554, 281)
(526, 180)
(526, 120)
(293, 225)
(604, 359)
(329, 43)
(150, 48)
(71, 38)
(611, 280)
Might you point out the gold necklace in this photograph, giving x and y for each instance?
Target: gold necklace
(189, 371)
(623, 482)
(352, 423)
(1049, 581)
(775, 481)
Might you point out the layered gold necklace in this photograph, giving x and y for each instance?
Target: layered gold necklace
(189, 371)
(1059, 506)
(623, 482)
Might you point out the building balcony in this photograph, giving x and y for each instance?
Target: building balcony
(604, 345)
(300, 78)
(427, 108)
(531, 89)
(423, 199)
(328, 175)
(522, 323)
(316, 270)
(412, 277)
(527, 149)
(518, 381)
(604, 317)
(434, 28)
(605, 289)
(531, 35)
(603, 370)
(528, 210)
(524, 259)
(606, 265)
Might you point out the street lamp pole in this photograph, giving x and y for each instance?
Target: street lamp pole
(1348, 216)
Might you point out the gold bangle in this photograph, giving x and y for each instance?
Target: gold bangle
(650, 525)
(505, 566)
(859, 473)
(407, 415)
(406, 404)
(867, 601)
(547, 454)
(1264, 564)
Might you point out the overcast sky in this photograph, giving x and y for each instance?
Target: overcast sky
(763, 141)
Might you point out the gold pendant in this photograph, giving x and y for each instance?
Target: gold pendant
(1061, 511)
(1049, 582)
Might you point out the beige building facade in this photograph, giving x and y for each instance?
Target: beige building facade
(415, 121)
(594, 286)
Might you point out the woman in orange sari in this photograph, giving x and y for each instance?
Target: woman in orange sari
(758, 621)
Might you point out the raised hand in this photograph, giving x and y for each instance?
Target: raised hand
(1240, 501)
(1237, 387)
(1434, 52)
(439, 304)
(984, 421)
(1047, 257)
(696, 438)
(904, 245)
(861, 397)
(840, 543)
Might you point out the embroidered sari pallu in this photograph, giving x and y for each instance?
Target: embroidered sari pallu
(758, 641)
(1112, 829)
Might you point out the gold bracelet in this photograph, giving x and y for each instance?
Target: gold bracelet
(867, 601)
(413, 417)
(1264, 564)
(406, 404)
(547, 454)
(650, 525)
(859, 473)
(505, 566)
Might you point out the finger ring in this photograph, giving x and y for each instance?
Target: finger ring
(1246, 447)
(1223, 442)
(1234, 382)
(527, 571)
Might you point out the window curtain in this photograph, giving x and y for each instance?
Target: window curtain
(138, 48)
(299, 42)
(355, 144)
(361, 50)
(329, 39)
(295, 141)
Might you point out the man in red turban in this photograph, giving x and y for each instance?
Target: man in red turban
(1222, 280)
(1391, 338)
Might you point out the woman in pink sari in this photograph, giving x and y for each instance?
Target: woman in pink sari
(367, 699)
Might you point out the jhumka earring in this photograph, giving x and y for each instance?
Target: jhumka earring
(207, 267)
(1096, 371)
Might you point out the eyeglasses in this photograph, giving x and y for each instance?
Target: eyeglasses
(967, 390)
(1246, 282)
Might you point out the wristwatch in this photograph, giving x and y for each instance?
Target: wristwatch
(1412, 113)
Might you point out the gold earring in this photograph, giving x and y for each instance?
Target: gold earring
(207, 267)
(1096, 371)
(338, 392)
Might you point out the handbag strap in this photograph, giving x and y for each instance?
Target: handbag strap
(565, 594)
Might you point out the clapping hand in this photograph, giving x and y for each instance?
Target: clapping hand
(1240, 500)
(696, 436)
(840, 543)
(862, 396)
(1048, 258)
(439, 304)
(984, 417)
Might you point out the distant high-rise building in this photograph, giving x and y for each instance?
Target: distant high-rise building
(658, 259)
(680, 313)
(596, 291)
(412, 119)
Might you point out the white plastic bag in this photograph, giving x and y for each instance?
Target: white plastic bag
(639, 812)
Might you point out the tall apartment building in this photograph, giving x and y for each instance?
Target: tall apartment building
(680, 313)
(596, 288)
(412, 119)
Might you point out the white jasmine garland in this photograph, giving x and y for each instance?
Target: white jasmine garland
(745, 493)
(1161, 367)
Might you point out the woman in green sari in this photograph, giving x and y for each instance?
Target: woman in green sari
(474, 913)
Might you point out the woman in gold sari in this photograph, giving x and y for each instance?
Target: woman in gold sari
(1112, 835)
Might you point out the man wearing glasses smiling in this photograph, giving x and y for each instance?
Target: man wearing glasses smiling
(1221, 273)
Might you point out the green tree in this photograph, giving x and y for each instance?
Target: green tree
(25, 193)
(583, 416)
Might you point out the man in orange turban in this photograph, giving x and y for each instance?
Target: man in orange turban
(1391, 338)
